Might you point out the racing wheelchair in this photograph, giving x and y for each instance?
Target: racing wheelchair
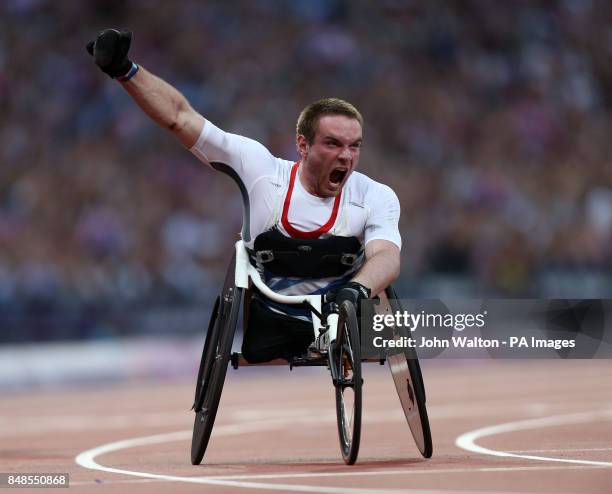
(335, 328)
(339, 350)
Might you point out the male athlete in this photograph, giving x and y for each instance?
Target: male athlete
(316, 205)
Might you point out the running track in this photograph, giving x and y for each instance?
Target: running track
(498, 426)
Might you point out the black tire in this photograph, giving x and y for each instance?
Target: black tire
(346, 355)
(214, 364)
(408, 379)
(211, 342)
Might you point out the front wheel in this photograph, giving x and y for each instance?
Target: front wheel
(345, 357)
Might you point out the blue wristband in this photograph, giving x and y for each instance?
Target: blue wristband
(131, 73)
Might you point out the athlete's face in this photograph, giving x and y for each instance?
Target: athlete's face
(332, 156)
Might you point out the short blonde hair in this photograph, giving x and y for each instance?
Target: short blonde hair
(309, 117)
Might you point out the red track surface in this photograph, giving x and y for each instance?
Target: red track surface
(282, 424)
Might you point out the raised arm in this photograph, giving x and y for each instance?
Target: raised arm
(164, 104)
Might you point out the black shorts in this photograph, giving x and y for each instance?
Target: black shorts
(269, 335)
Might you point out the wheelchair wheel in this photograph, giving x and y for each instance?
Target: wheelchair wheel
(408, 379)
(346, 355)
(210, 342)
(214, 364)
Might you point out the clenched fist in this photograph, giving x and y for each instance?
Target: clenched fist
(109, 50)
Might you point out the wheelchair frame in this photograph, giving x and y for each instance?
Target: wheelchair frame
(245, 271)
(217, 355)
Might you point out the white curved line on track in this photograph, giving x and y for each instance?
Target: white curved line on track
(467, 441)
(87, 459)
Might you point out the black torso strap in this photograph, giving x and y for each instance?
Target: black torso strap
(305, 258)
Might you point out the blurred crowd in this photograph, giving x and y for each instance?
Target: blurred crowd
(491, 121)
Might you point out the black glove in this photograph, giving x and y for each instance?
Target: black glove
(353, 292)
(110, 49)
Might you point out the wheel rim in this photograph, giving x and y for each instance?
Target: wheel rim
(347, 392)
(347, 367)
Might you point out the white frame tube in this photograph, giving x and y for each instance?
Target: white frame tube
(245, 270)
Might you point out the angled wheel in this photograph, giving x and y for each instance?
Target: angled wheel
(346, 361)
(214, 363)
(406, 372)
(206, 361)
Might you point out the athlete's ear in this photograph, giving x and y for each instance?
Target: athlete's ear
(302, 146)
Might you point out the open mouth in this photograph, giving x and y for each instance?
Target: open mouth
(337, 176)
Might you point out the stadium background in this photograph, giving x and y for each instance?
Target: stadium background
(491, 121)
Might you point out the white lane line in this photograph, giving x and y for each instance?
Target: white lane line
(564, 450)
(87, 459)
(265, 423)
(467, 441)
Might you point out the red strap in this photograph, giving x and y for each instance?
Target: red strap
(294, 232)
